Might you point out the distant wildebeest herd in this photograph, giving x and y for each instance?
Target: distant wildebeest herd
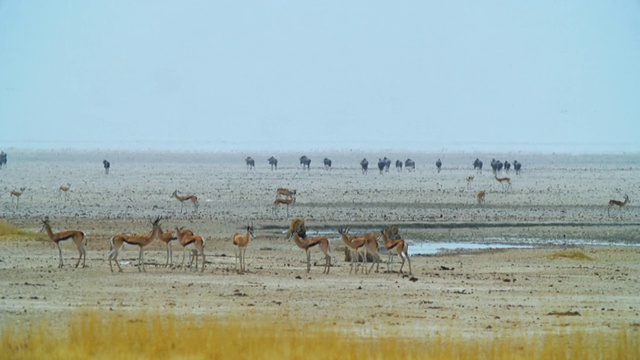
(305, 163)
(384, 164)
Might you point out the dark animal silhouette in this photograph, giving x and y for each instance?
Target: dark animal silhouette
(439, 164)
(327, 163)
(381, 165)
(251, 164)
(517, 166)
(106, 165)
(364, 164)
(507, 165)
(387, 163)
(477, 165)
(398, 165)
(273, 162)
(305, 162)
(410, 164)
(3, 159)
(496, 166)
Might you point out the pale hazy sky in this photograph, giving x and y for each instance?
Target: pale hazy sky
(458, 75)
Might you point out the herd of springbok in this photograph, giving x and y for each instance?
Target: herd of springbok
(357, 245)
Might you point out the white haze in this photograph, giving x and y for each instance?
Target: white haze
(544, 76)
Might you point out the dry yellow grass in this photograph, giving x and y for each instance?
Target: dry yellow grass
(10, 232)
(157, 336)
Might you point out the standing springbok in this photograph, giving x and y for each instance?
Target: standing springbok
(64, 190)
(117, 242)
(192, 243)
(79, 238)
(308, 243)
(617, 203)
(17, 194)
(354, 245)
(182, 199)
(242, 242)
(480, 197)
(402, 249)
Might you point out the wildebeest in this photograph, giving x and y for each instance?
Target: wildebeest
(106, 165)
(387, 163)
(496, 165)
(439, 164)
(3, 159)
(398, 165)
(251, 164)
(507, 165)
(273, 162)
(410, 164)
(364, 164)
(305, 162)
(381, 165)
(327, 163)
(477, 165)
(517, 166)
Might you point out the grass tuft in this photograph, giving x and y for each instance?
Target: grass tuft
(10, 232)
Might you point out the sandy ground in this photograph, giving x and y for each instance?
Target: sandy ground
(557, 203)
